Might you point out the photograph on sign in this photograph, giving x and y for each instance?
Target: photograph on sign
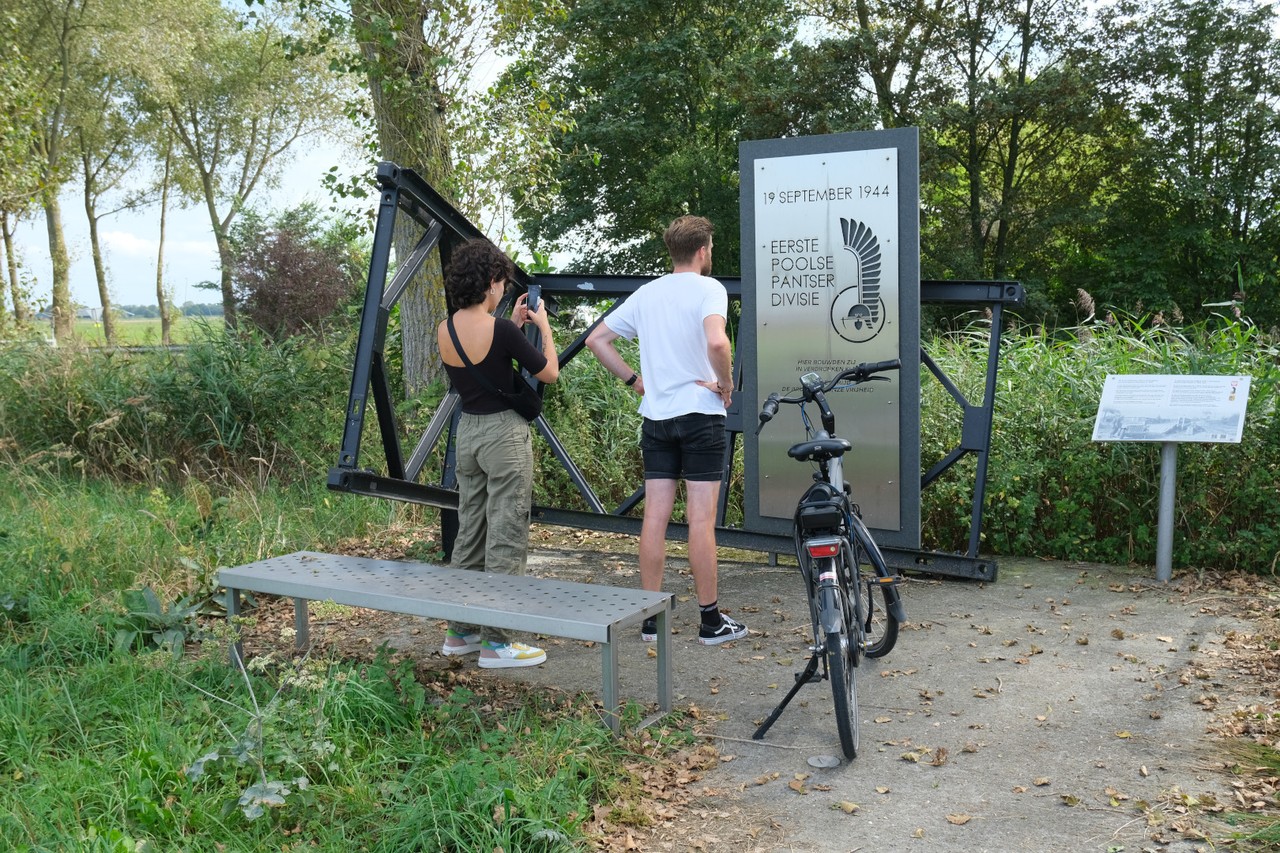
(827, 287)
(1164, 408)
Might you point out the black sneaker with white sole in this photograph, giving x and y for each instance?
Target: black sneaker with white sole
(649, 630)
(727, 630)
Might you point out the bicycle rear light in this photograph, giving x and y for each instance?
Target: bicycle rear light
(819, 548)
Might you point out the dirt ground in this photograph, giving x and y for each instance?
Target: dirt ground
(1065, 707)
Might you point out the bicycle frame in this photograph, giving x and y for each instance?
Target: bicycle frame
(829, 537)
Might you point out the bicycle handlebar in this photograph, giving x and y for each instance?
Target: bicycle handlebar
(855, 375)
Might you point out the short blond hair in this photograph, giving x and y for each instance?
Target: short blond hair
(686, 235)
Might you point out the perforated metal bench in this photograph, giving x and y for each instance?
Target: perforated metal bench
(576, 611)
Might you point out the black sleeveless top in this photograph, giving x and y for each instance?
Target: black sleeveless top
(509, 344)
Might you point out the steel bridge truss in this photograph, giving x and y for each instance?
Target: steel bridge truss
(405, 194)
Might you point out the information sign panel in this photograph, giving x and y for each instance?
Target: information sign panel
(1167, 408)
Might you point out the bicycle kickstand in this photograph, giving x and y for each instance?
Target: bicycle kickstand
(802, 679)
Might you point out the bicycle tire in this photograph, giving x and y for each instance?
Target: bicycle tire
(880, 626)
(842, 670)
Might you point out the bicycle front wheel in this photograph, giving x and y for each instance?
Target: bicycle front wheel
(879, 625)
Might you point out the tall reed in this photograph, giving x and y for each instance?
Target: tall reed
(1054, 492)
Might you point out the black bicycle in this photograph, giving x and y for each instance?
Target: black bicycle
(841, 564)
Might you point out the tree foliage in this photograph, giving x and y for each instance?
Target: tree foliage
(294, 270)
(19, 174)
(236, 105)
(58, 37)
(658, 94)
(1131, 148)
(19, 104)
(1196, 221)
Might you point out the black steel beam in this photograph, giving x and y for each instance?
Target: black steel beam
(931, 291)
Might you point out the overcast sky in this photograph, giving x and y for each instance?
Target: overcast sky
(130, 239)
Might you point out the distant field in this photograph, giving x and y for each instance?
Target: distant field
(143, 331)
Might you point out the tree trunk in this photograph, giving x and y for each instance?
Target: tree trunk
(99, 269)
(410, 113)
(1013, 148)
(20, 313)
(897, 40)
(224, 249)
(166, 322)
(225, 261)
(63, 312)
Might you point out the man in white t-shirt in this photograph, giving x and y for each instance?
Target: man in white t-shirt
(685, 383)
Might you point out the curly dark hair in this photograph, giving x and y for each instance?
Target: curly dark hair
(472, 268)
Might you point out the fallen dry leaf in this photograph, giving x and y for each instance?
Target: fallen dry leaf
(959, 819)
(847, 807)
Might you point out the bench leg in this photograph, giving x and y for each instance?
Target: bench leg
(301, 624)
(609, 667)
(663, 620)
(233, 610)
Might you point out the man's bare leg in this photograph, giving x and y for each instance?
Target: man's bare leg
(700, 503)
(659, 500)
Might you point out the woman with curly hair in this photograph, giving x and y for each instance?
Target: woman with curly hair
(494, 449)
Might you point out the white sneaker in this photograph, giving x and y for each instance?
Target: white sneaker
(496, 656)
(464, 644)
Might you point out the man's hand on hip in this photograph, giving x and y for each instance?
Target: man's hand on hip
(725, 391)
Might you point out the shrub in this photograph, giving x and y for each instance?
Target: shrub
(293, 272)
(230, 404)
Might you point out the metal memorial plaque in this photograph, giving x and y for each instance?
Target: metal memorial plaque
(826, 289)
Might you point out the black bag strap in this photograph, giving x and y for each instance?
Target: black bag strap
(475, 371)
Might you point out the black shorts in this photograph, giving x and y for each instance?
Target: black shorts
(688, 447)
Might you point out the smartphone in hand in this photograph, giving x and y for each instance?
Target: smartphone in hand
(535, 296)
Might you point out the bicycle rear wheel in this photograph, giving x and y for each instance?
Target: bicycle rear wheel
(842, 668)
(879, 625)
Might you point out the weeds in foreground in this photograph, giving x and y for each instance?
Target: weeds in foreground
(108, 746)
(1257, 769)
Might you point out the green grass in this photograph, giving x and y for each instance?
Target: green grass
(143, 331)
(104, 748)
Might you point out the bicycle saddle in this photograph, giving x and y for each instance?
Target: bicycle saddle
(822, 448)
